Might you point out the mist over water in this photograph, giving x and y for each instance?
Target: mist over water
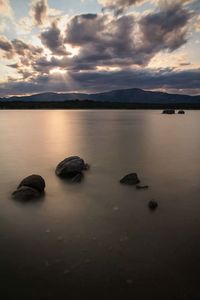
(99, 236)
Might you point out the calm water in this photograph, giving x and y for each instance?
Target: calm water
(99, 237)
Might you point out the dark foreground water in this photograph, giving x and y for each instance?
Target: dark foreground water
(98, 239)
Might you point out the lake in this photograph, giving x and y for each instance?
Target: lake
(98, 239)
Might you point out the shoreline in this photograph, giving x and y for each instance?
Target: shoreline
(94, 105)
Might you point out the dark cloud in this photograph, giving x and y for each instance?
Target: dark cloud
(104, 41)
(146, 79)
(19, 48)
(108, 41)
(6, 46)
(53, 39)
(118, 6)
(39, 11)
(166, 79)
(166, 29)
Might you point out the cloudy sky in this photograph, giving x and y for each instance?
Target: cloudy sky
(99, 45)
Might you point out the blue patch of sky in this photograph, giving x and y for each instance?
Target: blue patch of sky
(21, 7)
(76, 6)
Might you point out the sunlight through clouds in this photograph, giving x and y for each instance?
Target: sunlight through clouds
(116, 40)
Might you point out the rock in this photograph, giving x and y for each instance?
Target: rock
(140, 187)
(86, 167)
(77, 178)
(30, 187)
(70, 167)
(181, 112)
(34, 181)
(130, 179)
(169, 111)
(26, 193)
(153, 204)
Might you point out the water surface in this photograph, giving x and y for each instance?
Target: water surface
(99, 236)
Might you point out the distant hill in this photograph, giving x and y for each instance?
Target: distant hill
(135, 96)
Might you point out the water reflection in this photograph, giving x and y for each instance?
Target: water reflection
(101, 232)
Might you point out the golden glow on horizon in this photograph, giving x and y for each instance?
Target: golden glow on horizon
(58, 71)
(73, 50)
(105, 68)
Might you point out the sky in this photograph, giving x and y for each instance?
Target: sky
(99, 45)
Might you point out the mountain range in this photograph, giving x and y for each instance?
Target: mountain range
(133, 95)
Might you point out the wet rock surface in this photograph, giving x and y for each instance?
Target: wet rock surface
(33, 181)
(29, 188)
(152, 204)
(181, 112)
(77, 178)
(25, 193)
(130, 179)
(168, 111)
(71, 168)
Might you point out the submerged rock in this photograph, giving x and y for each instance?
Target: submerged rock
(141, 187)
(71, 168)
(25, 193)
(181, 112)
(130, 179)
(29, 188)
(77, 178)
(33, 181)
(153, 204)
(169, 111)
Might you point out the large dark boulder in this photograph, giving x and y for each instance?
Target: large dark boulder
(70, 167)
(29, 188)
(152, 204)
(181, 112)
(26, 193)
(34, 181)
(169, 111)
(130, 179)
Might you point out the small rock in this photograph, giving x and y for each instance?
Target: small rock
(86, 167)
(130, 179)
(153, 204)
(169, 111)
(30, 187)
(25, 193)
(77, 178)
(70, 167)
(181, 112)
(140, 187)
(34, 181)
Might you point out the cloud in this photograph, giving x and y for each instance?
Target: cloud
(111, 51)
(103, 39)
(39, 11)
(118, 5)
(52, 38)
(6, 9)
(163, 79)
(6, 47)
(166, 29)
(26, 54)
(108, 41)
